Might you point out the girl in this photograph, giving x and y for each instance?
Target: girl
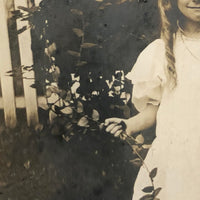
(166, 80)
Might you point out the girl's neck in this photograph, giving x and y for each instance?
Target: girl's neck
(191, 29)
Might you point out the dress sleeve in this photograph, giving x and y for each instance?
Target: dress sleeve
(148, 76)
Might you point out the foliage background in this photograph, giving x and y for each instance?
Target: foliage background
(95, 41)
(88, 164)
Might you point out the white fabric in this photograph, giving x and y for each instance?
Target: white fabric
(176, 149)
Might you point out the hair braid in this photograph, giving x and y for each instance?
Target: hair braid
(168, 28)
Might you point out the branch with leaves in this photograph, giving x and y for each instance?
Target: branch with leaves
(151, 191)
(73, 108)
(136, 144)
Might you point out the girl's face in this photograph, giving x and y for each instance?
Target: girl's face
(190, 9)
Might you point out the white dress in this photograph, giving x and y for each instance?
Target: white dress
(176, 149)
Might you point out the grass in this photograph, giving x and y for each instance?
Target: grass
(39, 166)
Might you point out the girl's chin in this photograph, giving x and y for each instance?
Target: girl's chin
(195, 18)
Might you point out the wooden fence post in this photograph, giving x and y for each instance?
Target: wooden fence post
(29, 77)
(5, 65)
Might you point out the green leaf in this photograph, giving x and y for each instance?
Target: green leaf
(51, 49)
(153, 173)
(16, 12)
(26, 19)
(85, 131)
(54, 89)
(68, 96)
(76, 12)
(33, 85)
(66, 138)
(69, 126)
(121, 1)
(21, 30)
(157, 191)
(79, 107)
(27, 164)
(147, 197)
(88, 45)
(108, 4)
(63, 94)
(101, 7)
(52, 116)
(148, 189)
(135, 147)
(53, 98)
(67, 110)
(78, 32)
(146, 146)
(95, 115)
(56, 73)
(48, 92)
(137, 162)
(83, 122)
(81, 63)
(28, 68)
(24, 8)
(10, 71)
(139, 139)
(74, 53)
(30, 10)
(105, 5)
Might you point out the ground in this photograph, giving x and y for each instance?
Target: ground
(36, 165)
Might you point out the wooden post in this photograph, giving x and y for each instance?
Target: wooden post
(5, 65)
(27, 60)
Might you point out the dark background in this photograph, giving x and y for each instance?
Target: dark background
(95, 165)
(121, 30)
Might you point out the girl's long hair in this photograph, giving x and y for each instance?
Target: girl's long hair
(169, 15)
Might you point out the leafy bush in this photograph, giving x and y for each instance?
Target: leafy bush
(80, 50)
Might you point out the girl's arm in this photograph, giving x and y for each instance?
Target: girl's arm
(141, 121)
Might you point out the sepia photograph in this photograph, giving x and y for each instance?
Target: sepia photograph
(99, 99)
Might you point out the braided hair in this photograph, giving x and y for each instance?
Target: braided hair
(169, 13)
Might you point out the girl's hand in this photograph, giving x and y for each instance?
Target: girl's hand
(116, 126)
(128, 127)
